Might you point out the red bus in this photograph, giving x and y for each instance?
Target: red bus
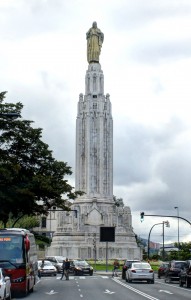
(18, 259)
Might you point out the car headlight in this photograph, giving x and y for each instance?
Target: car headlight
(18, 280)
(78, 268)
(91, 268)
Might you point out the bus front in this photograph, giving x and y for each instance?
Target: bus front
(14, 259)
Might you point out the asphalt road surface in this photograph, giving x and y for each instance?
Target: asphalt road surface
(104, 287)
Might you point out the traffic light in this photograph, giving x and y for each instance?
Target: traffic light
(142, 216)
(167, 223)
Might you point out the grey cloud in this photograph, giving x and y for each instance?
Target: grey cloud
(32, 18)
(140, 147)
(161, 51)
(134, 14)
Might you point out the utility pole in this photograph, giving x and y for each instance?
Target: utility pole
(176, 207)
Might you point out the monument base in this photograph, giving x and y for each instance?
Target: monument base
(79, 237)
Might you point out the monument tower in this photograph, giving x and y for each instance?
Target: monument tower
(79, 237)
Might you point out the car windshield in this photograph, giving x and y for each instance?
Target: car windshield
(60, 260)
(129, 263)
(179, 265)
(81, 263)
(46, 263)
(141, 266)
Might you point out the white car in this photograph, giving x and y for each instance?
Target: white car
(5, 286)
(57, 261)
(46, 268)
(140, 271)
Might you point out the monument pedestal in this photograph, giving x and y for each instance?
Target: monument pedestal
(80, 237)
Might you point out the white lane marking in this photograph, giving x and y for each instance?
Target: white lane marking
(109, 292)
(52, 292)
(81, 296)
(134, 290)
(165, 291)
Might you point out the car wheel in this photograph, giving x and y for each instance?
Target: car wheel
(187, 283)
(152, 281)
(167, 279)
(158, 276)
(180, 283)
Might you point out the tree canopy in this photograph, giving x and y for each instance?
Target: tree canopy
(31, 179)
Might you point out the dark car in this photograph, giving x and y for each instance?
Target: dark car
(81, 267)
(162, 269)
(185, 275)
(126, 266)
(173, 270)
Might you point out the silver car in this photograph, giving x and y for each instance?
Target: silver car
(46, 268)
(57, 261)
(140, 271)
(5, 286)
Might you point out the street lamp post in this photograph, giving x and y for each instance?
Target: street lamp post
(163, 223)
(148, 250)
(176, 207)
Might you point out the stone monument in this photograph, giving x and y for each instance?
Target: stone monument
(79, 237)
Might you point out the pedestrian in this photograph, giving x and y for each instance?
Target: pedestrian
(40, 268)
(115, 268)
(63, 269)
(67, 268)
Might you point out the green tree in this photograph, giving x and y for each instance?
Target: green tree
(27, 222)
(31, 179)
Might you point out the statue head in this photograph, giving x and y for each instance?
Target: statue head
(94, 25)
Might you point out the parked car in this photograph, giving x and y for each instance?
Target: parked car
(185, 275)
(46, 268)
(57, 261)
(80, 267)
(173, 270)
(140, 271)
(162, 269)
(5, 286)
(126, 266)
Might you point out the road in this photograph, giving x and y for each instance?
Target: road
(104, 287)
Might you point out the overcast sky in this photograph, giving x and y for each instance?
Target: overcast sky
(146, 60)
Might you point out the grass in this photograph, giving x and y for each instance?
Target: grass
(101, 265)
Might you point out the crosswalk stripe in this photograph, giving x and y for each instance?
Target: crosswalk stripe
(85, 277)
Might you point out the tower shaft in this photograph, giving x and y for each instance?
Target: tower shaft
(94, 138)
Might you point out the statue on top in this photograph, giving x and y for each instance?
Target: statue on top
(95, 39)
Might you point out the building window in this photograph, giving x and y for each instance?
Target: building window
(43, 222)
